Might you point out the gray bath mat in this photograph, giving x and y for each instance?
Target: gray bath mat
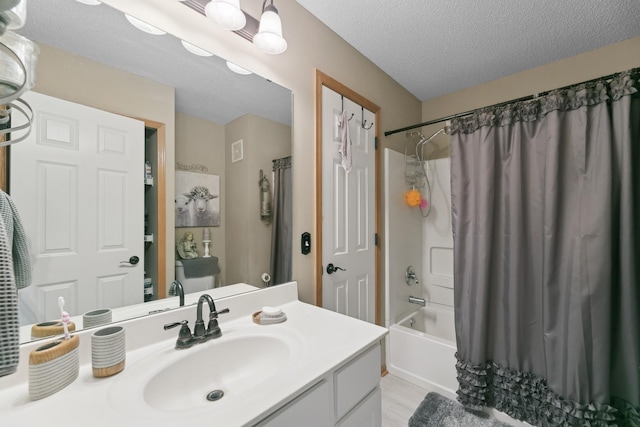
(438, 411)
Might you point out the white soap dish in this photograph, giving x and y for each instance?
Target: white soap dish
(269, 316)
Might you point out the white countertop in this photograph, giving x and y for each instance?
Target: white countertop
(144, 308)
(326, 340)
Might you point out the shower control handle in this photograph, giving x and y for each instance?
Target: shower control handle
(333, 268)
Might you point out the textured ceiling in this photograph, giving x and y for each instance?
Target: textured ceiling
(204, 86)
(435, 47)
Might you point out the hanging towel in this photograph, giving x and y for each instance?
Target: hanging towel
(9, 325)
(345, 141)
(17, 238)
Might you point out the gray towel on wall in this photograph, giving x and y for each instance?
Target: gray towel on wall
(9, 325)
(200, 267)
(17, 241)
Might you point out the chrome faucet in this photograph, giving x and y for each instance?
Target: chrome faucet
(177, 289)
(410, 277)
(416, 300)
(185, 338)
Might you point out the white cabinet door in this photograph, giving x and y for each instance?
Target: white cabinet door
(314, 408)
(78, 184)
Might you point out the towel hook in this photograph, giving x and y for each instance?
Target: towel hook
(342, 98)
(364, 122)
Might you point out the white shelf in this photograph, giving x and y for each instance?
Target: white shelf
(148, 181)
(148, 238)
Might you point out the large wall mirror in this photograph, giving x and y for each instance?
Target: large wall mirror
(228, 129)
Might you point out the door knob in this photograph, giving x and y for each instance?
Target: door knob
(333, 268)
(132, 260)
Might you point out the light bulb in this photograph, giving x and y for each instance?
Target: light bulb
(226, 13)
(269, 38)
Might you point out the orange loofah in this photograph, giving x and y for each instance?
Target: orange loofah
(412, 197)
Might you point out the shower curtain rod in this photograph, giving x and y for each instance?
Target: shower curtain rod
(524, 98)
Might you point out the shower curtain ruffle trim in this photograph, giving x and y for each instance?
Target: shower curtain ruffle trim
(572, 98)
(526, 397)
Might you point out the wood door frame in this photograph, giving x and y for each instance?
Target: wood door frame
(161, 208)
(323, 79)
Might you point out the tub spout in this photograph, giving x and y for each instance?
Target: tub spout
(415, 300)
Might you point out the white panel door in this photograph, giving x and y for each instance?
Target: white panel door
(348, 212)
(77, 182)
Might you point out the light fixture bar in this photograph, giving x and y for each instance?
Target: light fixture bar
(247, 33)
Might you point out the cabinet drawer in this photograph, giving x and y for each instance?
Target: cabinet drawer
(354, 381)
(367, 414)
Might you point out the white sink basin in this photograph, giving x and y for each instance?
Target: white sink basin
(174, 381)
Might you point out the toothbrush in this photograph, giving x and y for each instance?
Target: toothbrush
(65, 318)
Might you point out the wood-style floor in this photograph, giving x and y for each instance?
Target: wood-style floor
(400, 399)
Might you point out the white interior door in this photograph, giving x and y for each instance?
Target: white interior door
(348, 212)
(77, 182)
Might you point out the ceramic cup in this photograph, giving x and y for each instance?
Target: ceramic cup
(108, 351)
(96, 317)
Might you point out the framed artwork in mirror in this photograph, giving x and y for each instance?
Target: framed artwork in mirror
(197, 201)
(237, 151)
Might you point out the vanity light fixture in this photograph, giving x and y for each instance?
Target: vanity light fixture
(195, 49)
(226, 13)
(238, 69)
(265, 34)
(143, 26)
(269, 38)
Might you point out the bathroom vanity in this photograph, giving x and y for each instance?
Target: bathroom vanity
(317, 368)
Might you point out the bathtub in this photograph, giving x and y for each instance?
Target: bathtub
(422, 349)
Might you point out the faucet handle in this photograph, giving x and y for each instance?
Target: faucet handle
(174, 324)
(185, 339)
(214, 314)
(213, 329)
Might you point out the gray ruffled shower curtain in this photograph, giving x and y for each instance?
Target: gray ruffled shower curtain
(546, 224)
(281, 231)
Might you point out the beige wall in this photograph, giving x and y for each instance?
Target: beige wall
(600, 62)
(311, 45)
(87, 82)
(201, 142)
(248, 238)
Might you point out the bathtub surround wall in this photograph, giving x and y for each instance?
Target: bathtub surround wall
(544, 198)
(437, 237)
(402, 228)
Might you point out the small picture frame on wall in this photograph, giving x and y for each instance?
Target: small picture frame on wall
(237, 151)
